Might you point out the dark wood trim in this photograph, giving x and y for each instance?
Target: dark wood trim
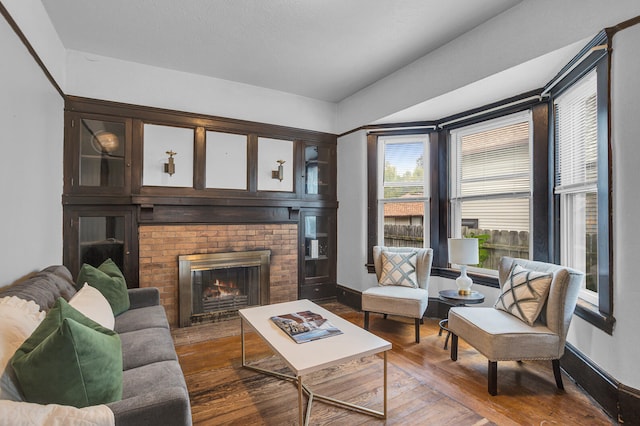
(497, 109)
(439, 239)
(592, 379)
(16, 29)
(592, 314)
(372, 198)
(605, 190)
(349, 297)
(540, 184)
(186, 119)
(171, 214)
(435, 168)
(199, 159)
(583, 55)
(137, 153)
(407, 124)
(623, 25)
(629, 405)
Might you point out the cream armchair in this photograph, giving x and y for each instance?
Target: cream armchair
(497, 332)
(399, 292)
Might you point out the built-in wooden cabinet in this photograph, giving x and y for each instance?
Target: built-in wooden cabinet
(95, 233)
(317, 258)
(115, 179)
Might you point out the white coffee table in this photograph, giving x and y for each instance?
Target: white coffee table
(309, 357)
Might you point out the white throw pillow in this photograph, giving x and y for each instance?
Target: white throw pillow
(399, 269)
(93, 304)
(525, 293)
(18, 319)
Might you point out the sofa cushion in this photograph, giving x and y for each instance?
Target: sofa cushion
(153, 394)
(93, 304)
(18, 319)
(70, 360)
(141, 318)
(108, 279)
(141, 347)
(398, 269)
(524, 293)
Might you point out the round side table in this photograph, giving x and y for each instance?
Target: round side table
(452, 297)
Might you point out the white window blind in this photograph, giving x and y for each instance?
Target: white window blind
(490, 186)
(495, 161)
(577, 136)
(576, 179)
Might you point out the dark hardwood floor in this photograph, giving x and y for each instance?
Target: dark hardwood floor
(424, 386)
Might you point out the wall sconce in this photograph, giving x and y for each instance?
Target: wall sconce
(278, 174)
(170, 167)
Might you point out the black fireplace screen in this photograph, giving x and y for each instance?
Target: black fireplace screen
(214, 286)
(225, 289)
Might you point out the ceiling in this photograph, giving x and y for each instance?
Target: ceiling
(322, 49)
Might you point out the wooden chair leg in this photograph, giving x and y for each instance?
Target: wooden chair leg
(493, 378)
(417, 330)
(557, 374)
(366, 320)
(454, 347)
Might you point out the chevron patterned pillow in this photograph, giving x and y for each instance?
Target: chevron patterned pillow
(398, 269)
(524, 293)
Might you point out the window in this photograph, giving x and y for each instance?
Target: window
(403, 191)
(576, 179)
(490, 187)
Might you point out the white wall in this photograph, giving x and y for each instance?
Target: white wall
(31, 124)
(617, 354)
(100, 77)
(525, 32)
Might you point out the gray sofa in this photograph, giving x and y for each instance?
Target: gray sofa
(154, 389)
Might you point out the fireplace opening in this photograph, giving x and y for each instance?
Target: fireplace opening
(215, 286)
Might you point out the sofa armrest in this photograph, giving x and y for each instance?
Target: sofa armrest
(143, 297)
(165, 406)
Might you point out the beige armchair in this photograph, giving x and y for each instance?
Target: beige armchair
(399, 292)
(497, 332)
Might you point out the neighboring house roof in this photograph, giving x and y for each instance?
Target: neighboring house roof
(404, 209)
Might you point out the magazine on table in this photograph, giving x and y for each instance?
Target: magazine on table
(305, 326)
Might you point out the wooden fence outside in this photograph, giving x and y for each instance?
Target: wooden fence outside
(493, 244)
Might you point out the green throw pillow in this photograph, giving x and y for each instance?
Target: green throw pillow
(108, 279)
(70, 360)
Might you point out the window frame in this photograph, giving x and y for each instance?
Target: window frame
(426, 199)
(544, 237)
(592, 57)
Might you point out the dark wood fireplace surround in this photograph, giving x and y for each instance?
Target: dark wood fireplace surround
(190, 212)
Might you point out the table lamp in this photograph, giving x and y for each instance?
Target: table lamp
(463, 252)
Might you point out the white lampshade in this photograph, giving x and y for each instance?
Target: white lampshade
(463, 251)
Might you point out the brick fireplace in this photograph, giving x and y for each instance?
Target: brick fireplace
(160, 246)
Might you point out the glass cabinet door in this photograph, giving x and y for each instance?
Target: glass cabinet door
(318, 254)
(99, 149)
(93, 235)
(316, 244)
(317, 170)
